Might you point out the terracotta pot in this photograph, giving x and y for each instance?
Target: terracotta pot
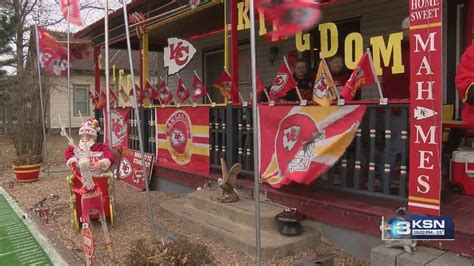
(27, 173)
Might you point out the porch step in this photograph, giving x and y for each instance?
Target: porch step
(241, 212)
(232, 225)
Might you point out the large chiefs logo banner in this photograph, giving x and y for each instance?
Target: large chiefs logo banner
(119, 125)
(299, 143)
(183, 138)
(131, 170)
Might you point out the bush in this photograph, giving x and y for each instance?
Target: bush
(27, 159)
(179, 252)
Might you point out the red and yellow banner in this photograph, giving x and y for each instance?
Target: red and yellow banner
(299, 143)
(131, 169)
(120, 128)
(183, 138)
(426, 70)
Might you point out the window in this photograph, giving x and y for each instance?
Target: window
(81, 100)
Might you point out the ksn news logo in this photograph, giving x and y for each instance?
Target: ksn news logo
(418, 228)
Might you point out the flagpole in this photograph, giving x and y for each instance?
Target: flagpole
(69, 66)
(375, 76)
(140, 136)
(107, 74)
(256, 131)
(45, 151)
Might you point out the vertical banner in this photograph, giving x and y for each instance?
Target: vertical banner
(130, 168)
(120, 130)
(425, 106)
(183, 138)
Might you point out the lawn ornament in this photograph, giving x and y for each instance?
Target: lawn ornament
(227, 183)
(88, 161)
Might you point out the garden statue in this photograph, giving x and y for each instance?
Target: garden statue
(227, 183)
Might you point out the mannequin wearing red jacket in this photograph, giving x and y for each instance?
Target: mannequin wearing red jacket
(100, 155)
(465, 84)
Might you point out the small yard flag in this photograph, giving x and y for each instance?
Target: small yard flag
(164, 93)
(323, 85)
(181, 92)
(362, 75)
(125, 96)
(226, 85)
(282, 83)
(199, 88)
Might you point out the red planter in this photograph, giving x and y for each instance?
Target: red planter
(27, 173)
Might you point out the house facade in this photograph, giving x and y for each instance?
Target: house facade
(355, 186)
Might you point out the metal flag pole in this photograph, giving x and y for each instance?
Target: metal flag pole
(140, 136)
(45, 143)
(69, 67)
(256, 131)
(107, 74)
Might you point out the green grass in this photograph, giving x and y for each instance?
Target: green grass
(17, 244)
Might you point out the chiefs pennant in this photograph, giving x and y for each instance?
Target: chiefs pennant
(298, 144)
(177, 55)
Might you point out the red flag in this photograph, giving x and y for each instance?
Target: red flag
(101, 100)
(93, 96)
(149, 92)
(226, 85)
(140, 94)
(74, 16)
(199, 88)
(361, 76)
(53, 56)
(290, 16)
(282, 83)
(113, 97)
(164, 93)
(181, 92)
(301, 143)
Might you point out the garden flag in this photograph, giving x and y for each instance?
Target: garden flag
(298, 143)
(71, 12)
(164, 93)
(151, 93)
(282, 83)
(52, 55)
(362, 75)
(140, 94)
(226, 85)
(289, 16)
(181, 92)
(120, 130)
(199, 88)
(101, 100)
(322, 85)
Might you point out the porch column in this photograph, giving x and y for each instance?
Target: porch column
(426, 79)
(144, 58)
(234, 48)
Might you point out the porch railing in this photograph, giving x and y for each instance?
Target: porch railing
(374, 164)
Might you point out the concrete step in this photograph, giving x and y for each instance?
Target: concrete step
(241, 212)
(236, 235)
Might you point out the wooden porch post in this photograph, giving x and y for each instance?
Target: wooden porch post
(234, 48)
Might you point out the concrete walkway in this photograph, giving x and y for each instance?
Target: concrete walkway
(423, 256)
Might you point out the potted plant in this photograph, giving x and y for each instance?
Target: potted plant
(26, 130)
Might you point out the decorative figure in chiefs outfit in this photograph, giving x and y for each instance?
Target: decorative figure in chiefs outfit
(465, 84)
(101, 158)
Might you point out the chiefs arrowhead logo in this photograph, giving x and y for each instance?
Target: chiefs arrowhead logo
(279, 82)
(290, 137)
(177, 55)
(320, 88)
(119, 129)
(179, 138)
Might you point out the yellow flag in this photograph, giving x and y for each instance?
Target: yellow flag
(322, 85)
